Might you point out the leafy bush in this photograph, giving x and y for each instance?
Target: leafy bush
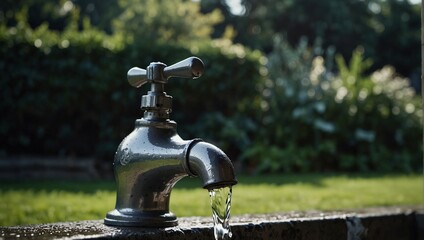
(146, 21)
(385, 118)
(388, 30)
(65, 93)
(313, 120)
(48, 88)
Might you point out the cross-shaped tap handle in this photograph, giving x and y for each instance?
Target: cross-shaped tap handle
(158, 72)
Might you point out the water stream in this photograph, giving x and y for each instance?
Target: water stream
(221, 205)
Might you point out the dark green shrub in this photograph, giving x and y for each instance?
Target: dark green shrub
(313, 120)
(66, 93)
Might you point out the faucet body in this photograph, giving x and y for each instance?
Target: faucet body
(148, 163)
(152, 159)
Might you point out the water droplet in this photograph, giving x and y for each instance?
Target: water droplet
(220, 199)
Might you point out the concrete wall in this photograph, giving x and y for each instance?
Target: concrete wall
(373, 224)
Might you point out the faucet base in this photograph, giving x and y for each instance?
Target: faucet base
(157, 219)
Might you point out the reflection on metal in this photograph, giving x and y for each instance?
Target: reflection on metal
(153, 157)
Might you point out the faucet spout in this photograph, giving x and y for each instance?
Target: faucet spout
(211, 164)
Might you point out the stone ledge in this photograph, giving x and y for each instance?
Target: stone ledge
(372, 223)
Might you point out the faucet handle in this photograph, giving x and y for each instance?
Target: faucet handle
(137, 77)
(191, 67)
(158, 72)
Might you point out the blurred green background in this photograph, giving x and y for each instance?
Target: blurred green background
(290, 86)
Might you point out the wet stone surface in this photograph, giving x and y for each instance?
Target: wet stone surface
(374, 223)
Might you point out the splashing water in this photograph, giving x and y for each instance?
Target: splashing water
(221, 205)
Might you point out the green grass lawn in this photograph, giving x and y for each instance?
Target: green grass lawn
(52, 201)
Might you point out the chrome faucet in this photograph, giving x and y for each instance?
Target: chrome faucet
(153, 157)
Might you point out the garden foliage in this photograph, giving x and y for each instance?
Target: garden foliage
(387, 29)
(313, 120)
(64, 92)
